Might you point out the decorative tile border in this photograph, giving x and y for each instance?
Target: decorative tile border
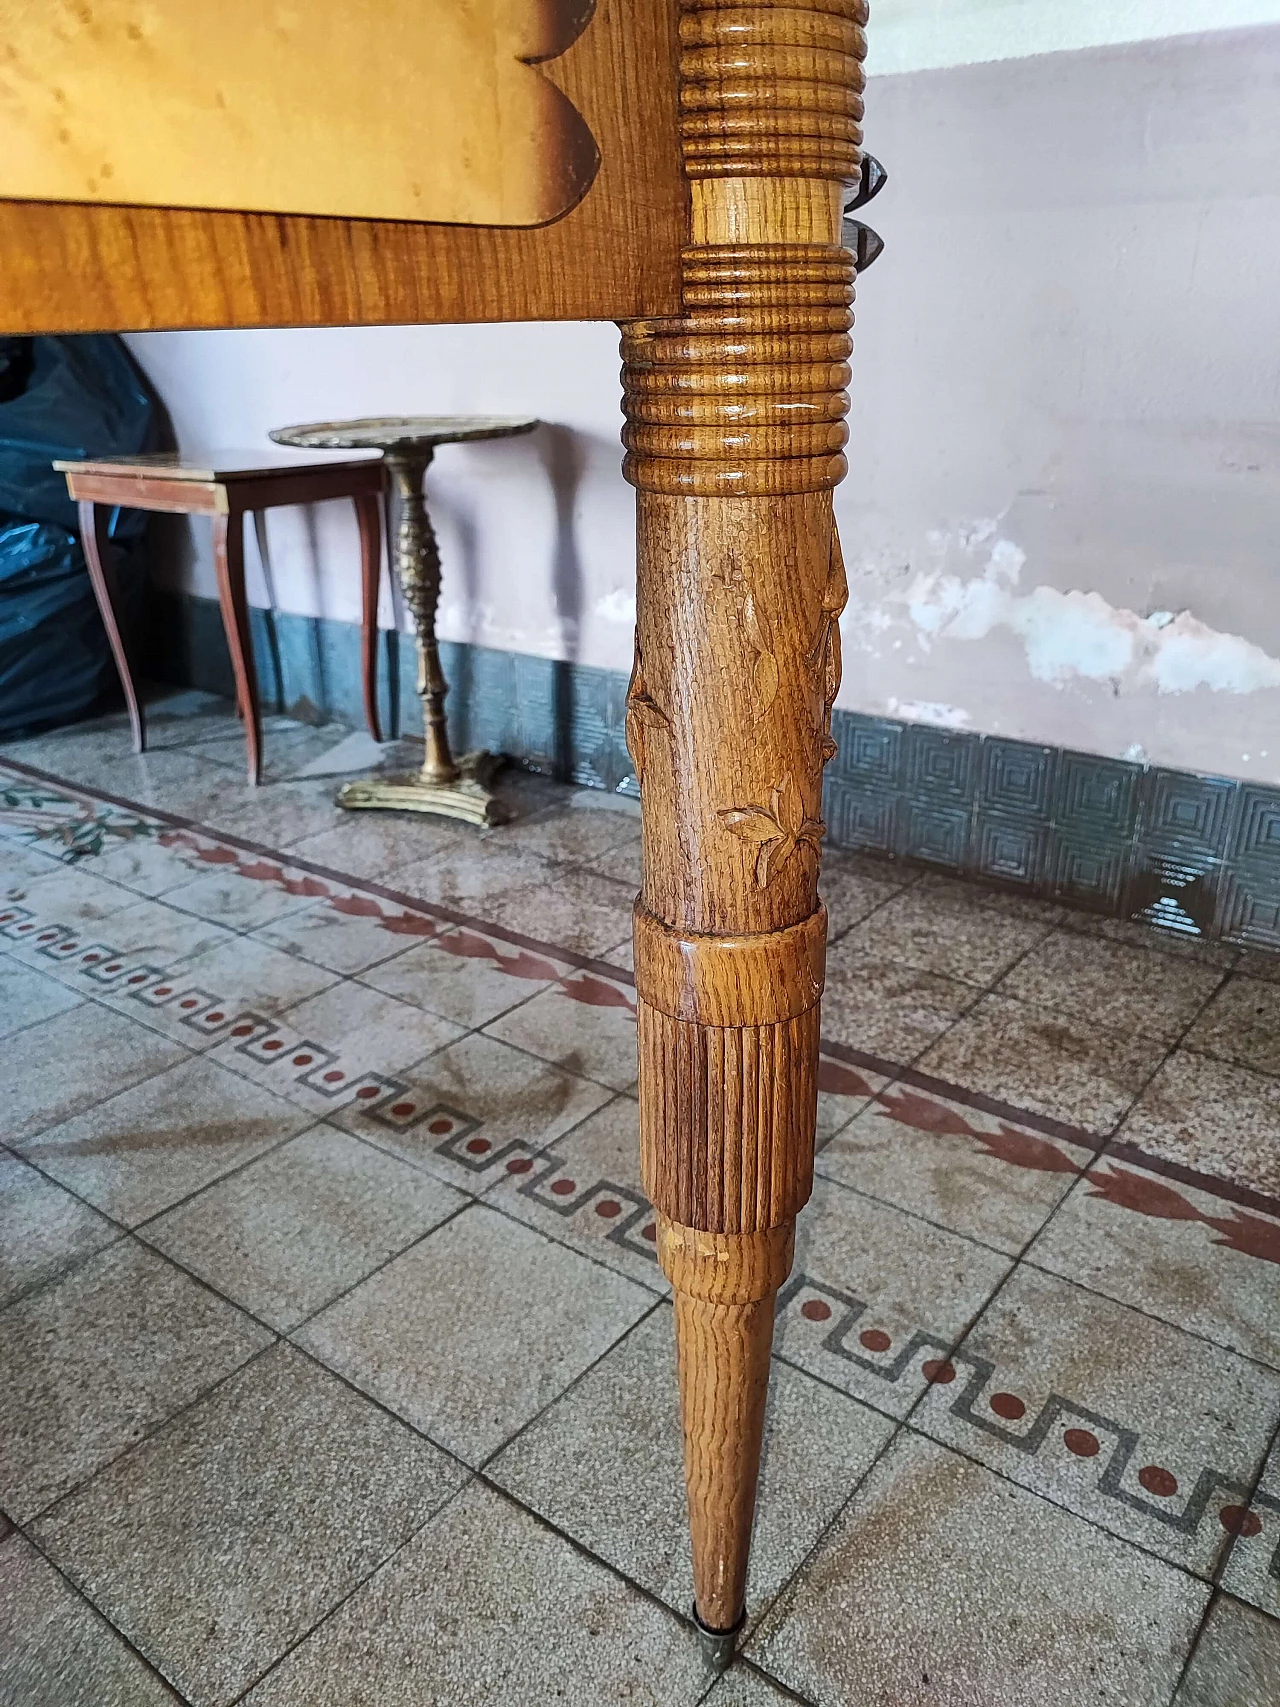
(39, 809)
(1198, 855)
(983, 1405)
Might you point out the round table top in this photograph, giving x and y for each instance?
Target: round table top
(403, 432)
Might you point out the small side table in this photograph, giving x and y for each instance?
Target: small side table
(227, 485)
(456, 789)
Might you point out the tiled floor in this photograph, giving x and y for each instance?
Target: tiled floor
(335, 1364)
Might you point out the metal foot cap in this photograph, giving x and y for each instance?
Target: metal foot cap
(718, 1645)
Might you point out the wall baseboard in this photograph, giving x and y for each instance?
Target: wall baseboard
(1195, 855)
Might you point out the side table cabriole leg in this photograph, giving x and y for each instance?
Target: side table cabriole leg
(455, 788)
(734, 434)
(96, 546)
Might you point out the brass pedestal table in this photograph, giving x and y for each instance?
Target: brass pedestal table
(456, 788)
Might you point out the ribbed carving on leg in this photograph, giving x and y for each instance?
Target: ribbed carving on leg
(771, 90)
(727, 1121)
(744, 393)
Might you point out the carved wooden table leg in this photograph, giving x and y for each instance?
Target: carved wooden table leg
(735, 424)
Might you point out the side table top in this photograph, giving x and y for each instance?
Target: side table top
(209, 467)
(403, 432)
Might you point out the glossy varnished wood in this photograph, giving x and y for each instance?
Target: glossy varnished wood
(76, 267)
(735, 437)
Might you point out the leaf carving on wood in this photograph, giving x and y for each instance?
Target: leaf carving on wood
(643, 712)
(824, 655)
(766, 675)
(776, 830)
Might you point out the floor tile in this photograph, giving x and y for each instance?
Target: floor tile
(1241, 1024)
(55, 1651)
(1126, 1420)
(1259, 963)
(875, 1294)
(569, 908)
(288, 1233)
(92, 1363)
(942, 1586)
(604, 1464)
(585, 1191)
(343, 941)
(68, 896)
(371, 844)
(1014, 904)
(622, 955)
(743, 1686)
(42, 1228)
(1237, 1660)
(241, 903)
(470, 1109)
(1069, 1070)
(338, 1044)
(152, 930)
(990, 1179)
(623, 865)
(464, 975)
(1191, 1258)
(1208, 1115)
(471, 876)
(1143, 935)
(144, 865)
(150, 1146)
(72, 1061)
(1251, 1569)
(173, 780)
(574, 834)
(843, 1092)
(28, 996)
(944, 934)
(485, 1604)
(876, 1005)
(222, 1539)
(852, 887)
(243, 977)
(469, 1334)
(1112, 985)
(594, 1037)
(276, 814)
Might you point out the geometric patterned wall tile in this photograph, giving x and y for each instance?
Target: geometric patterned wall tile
(869, 750)
(1009, 849)
(1177, 890)
(1249, 910)
(936, 834)
(1016, 779)
(858, 816)
(1189, 813)
(1257, 837)
(1096, 796)
(941, 764)
(1086, 873)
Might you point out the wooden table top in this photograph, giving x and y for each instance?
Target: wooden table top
(212, 467)
(404, 432)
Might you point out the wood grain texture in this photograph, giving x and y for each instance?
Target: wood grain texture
(418, 109)
(724, 1292)
(75, 267)
(735, 434)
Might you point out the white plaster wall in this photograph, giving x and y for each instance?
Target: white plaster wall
(918, 35)
(1062, 517)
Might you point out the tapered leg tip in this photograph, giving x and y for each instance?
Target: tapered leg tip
(718, 1646)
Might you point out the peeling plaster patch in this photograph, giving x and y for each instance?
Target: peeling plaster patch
(617, 606)
(1192, 655)
(930, 711)
(1064, 634)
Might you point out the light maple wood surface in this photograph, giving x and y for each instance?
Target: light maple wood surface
(439, 112)
(85, 266)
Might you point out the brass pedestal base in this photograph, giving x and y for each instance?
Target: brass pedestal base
(467, 797)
